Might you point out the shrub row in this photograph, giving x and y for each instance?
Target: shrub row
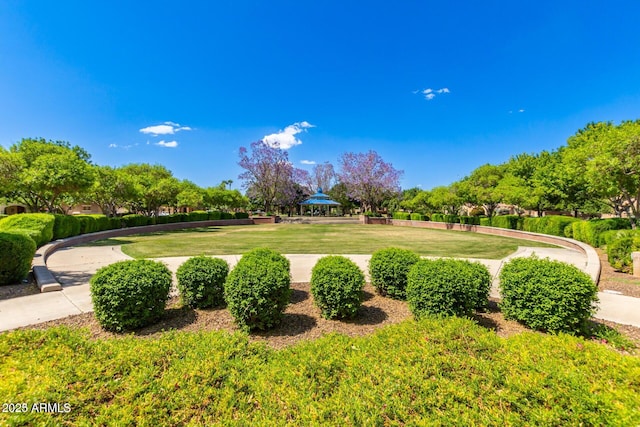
(401, 215)
(451, 219)
(552, 224)
(38, 226)
(547, 295)
(591, 232)
(512, 222)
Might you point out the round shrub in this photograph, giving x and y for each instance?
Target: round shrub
(16, 252)
(336, 286)
(201, 281)
(258, 289)
(388, 269)
(130, 294)
(481, 278)
(547, 295)
(445, 287)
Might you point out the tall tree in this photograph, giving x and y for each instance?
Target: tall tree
(111, 190)
(323, 176)
(267, 172)
(155, 187)
(480, 187)
(47, 171)
(607, 157)
(368, 178)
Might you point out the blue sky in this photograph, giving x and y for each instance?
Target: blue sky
(437, 88)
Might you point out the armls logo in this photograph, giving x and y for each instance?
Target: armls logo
(49, 407)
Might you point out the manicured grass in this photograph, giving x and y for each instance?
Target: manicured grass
(435, 372)
(317, 239)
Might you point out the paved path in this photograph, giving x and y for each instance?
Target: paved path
(74, 266)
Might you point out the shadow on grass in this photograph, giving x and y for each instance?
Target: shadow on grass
(183, 231)
(108, 242)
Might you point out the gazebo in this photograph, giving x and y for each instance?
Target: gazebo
(319, 199)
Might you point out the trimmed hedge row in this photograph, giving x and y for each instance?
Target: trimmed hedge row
(552, 224)
(512, 222)
(591, 231)
(38, 226)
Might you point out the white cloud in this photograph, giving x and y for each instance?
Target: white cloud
(520, 111)
(113, 145)
(286, 138)
(307, 162)
(169, 144)
(167, 128)
(429, 93)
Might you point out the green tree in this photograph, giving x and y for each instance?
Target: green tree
(43, 172)
(607, 157)
(155, 186)
(112, 189)
(481, 187)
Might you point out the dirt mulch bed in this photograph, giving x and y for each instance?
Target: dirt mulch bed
(302, 320)
(27, 287)
(612, 280)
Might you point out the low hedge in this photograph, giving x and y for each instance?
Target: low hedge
(547, 295)
(241, 215)
(388, 269)
(591, 231)
(486, 221)
(198, 216)
(512, 222)
(16, 252)
(215, 215)
(446, 287)
(610, 236)
(258, 289)
(401, 215)
(227, 215)
(551, 224)
(336, 286)
(65, 226)
(130, 294)
(38, 225)
(201, 281)
(451, 219)
(469, 220)
(135, 220)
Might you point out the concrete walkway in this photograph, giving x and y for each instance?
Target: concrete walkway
(74, 266)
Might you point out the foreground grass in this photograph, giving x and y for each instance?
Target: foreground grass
(443, 372)
(317, 239)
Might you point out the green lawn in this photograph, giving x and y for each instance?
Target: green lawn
(316, 239)
(434, 372)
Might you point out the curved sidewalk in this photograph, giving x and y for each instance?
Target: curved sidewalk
(74, 266)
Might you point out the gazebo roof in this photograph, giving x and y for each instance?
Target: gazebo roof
(320, 199)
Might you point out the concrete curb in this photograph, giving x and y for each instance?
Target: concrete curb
(48, 283)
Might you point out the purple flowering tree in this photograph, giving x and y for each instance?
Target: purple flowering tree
(268, 172)
(369, 179)
(323, 177)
